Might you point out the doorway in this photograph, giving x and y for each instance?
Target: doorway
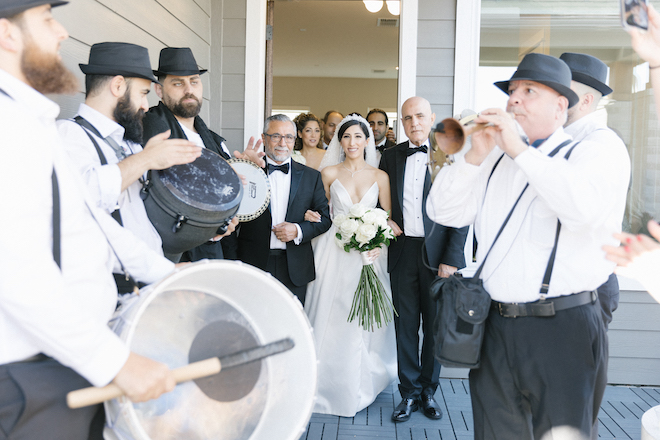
(334, 55)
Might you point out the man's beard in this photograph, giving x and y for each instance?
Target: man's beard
(45, 72)
(184, 110)
(129, 118)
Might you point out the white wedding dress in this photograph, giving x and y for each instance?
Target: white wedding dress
(354, 365)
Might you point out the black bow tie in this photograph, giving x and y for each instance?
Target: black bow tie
(284, 168)
(380, 148)
(421, 149)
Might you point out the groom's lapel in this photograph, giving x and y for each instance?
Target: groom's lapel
(296, 175)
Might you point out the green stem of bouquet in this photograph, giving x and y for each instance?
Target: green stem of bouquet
(370, 303)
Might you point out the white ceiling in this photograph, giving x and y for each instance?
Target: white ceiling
(333, 38)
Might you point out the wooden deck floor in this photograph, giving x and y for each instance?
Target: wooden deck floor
(619, 417)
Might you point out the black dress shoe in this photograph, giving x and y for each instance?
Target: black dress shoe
(404, 409)
(430, 407)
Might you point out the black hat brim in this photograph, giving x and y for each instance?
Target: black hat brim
(88, 69)
(591, 82)
(180, 72)
(559, 88)
(11, 10)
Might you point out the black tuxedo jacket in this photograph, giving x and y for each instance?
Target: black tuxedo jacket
(443, 244)
(251, 241)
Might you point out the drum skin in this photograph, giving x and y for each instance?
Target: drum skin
(256, 195)
(273, 402)
(188, 203)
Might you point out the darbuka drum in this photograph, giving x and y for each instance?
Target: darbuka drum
(213, 308)
(256, 195)
(187, 204)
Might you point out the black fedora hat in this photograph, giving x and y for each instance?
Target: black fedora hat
(177, 61)
(544, 69)
(129, 60)
(9, 8)
(587, 70)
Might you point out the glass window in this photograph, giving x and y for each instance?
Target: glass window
(512, 29)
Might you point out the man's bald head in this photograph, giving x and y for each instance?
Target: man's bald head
(417, 118)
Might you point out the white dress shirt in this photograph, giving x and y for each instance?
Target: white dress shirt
(197, 139)
(104, 181)
(62, 313)
(413, 192)
(280, 187)
(587, 193)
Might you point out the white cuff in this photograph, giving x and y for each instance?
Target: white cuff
(299, 238)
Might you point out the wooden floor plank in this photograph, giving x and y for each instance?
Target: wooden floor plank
(619, 418)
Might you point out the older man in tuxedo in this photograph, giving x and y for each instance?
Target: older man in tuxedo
(279, 241)
(420, 245)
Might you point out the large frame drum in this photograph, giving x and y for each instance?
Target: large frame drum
(213, 308)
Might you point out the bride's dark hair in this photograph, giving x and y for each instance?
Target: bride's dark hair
(350, 123)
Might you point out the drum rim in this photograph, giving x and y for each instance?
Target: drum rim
(249, 217)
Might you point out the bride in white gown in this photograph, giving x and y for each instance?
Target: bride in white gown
(354, 365)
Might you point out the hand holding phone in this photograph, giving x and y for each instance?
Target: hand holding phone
(634, 14)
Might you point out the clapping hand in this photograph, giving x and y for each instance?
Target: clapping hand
(638, 257)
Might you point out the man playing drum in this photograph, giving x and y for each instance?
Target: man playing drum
(181, 92)
(103, 140)
(56, 289)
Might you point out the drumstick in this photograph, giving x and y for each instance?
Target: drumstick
(208, 367)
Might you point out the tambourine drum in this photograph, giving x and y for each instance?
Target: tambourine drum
(256, 196)
(214, 308)
(187, 204)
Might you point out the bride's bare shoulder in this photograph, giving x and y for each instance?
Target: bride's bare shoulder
(330, 172)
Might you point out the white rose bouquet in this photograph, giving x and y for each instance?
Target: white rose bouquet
(365, 229)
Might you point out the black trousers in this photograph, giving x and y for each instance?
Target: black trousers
(410, 294)
(279, 268)
(33, 404)
(608, 295)
(540, 377)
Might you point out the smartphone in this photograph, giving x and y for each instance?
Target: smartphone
(634, 14)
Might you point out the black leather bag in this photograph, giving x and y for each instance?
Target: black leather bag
(463, 306)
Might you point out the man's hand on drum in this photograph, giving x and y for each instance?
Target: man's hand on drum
(312, 216)
(285, 231)
(252, 153)
(143, 379)
(162, 152)
(231, 227)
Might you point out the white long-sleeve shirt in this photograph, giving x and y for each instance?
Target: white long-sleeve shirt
(587, 193)
(62, 313)
(104, 181)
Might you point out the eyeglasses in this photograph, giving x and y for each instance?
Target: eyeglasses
(289, 138)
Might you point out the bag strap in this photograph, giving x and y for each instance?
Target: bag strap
(57, 229)
(545, 286)
(87, 127)
(508, 217)
(116, 214)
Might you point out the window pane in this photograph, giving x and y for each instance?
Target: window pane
(512, 29)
